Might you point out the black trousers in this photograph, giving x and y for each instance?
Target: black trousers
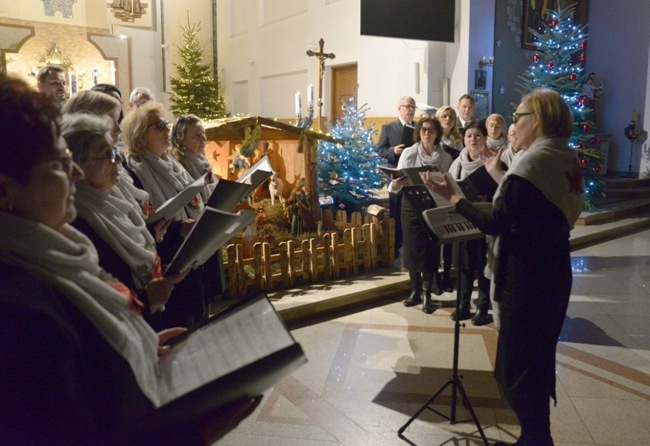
(534, 413)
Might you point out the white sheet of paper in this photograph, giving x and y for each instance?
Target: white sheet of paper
(250, 333)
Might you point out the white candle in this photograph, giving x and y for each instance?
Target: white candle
(298, 105)
(310, 96)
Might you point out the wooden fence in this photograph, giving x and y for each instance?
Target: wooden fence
(360, 244)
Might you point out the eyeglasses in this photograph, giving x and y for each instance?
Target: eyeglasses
(409, 107)
(160, 125)
(112, 156)
(429, 130)
(516, 116)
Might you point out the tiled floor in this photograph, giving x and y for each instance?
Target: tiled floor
(370, 371)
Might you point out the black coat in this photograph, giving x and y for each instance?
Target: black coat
(389, 137)
(62, 383)
(533, 283)
(187, 304)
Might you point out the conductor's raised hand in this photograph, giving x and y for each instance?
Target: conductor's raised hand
(493, 166)
(445, 188)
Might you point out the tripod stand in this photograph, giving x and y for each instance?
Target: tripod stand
(455, 381)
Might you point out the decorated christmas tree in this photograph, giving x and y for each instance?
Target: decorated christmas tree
(195, 89)
(348, 172)
(558, 65)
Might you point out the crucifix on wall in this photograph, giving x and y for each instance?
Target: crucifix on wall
(321, 56)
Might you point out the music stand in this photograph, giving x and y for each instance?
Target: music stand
(455, 380)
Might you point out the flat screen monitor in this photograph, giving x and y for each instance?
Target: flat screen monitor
(431, 20)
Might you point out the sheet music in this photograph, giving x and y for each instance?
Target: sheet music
(177, 202)
(241, 338)
(438, 177)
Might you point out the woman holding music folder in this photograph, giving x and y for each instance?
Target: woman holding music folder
(147, 139)
(535, 207)
(111, 217)
(421, 255)
(188, 148)
(474, 251)
(78, 361)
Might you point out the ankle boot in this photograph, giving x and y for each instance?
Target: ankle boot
(427, 304)
(464, 310)
(481, 317)
(415, 297)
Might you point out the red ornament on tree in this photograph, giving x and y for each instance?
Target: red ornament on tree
(572, 77)
(536, 57)
(595, 140)
(583, 57)
(550, 65)
(584, 161)
(554, 22)
(598, 168)
(583, 44)
(581, 146)
(586, 127)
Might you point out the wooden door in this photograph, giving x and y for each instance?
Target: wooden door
(344, 88)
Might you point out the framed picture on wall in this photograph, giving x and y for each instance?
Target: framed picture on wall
(535, 13)
(480, 79)
(481, 103)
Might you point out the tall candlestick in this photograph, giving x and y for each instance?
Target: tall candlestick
(635, 116)
(310, 96)
(298, 103)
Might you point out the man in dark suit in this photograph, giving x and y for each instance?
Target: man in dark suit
(390, 144)
(390, 147)
(465, 112)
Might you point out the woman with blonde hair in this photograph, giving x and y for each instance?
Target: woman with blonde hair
(535, 207)
(496, 132)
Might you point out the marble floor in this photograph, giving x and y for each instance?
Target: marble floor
(370, 371)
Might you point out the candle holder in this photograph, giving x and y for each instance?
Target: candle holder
(306, 122)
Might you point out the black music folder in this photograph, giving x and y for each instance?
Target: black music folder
(479, 185)
(257, 174)
(241, 352)
(210, 232)
(177, 202)
(413, 173)
(227, 195)
(407, 135)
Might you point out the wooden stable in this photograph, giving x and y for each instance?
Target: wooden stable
(292, 151)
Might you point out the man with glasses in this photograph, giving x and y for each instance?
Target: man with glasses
(392, 141)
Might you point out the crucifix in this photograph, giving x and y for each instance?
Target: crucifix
(321, 71)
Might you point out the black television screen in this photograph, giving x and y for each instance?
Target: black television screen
(409, 19)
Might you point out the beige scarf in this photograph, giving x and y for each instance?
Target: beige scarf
(121, 225)
(553, 168)
(69, 262)
(163, 177)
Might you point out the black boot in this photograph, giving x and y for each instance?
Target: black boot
(435, 284)
(427, 305)
(416, 284)
(465, 312)
(482, 317)
(446, 284)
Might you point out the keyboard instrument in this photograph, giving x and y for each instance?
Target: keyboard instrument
(448, 226)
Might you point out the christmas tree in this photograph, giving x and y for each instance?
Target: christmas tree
(347, 171)
(195, 90)
(557, 64)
